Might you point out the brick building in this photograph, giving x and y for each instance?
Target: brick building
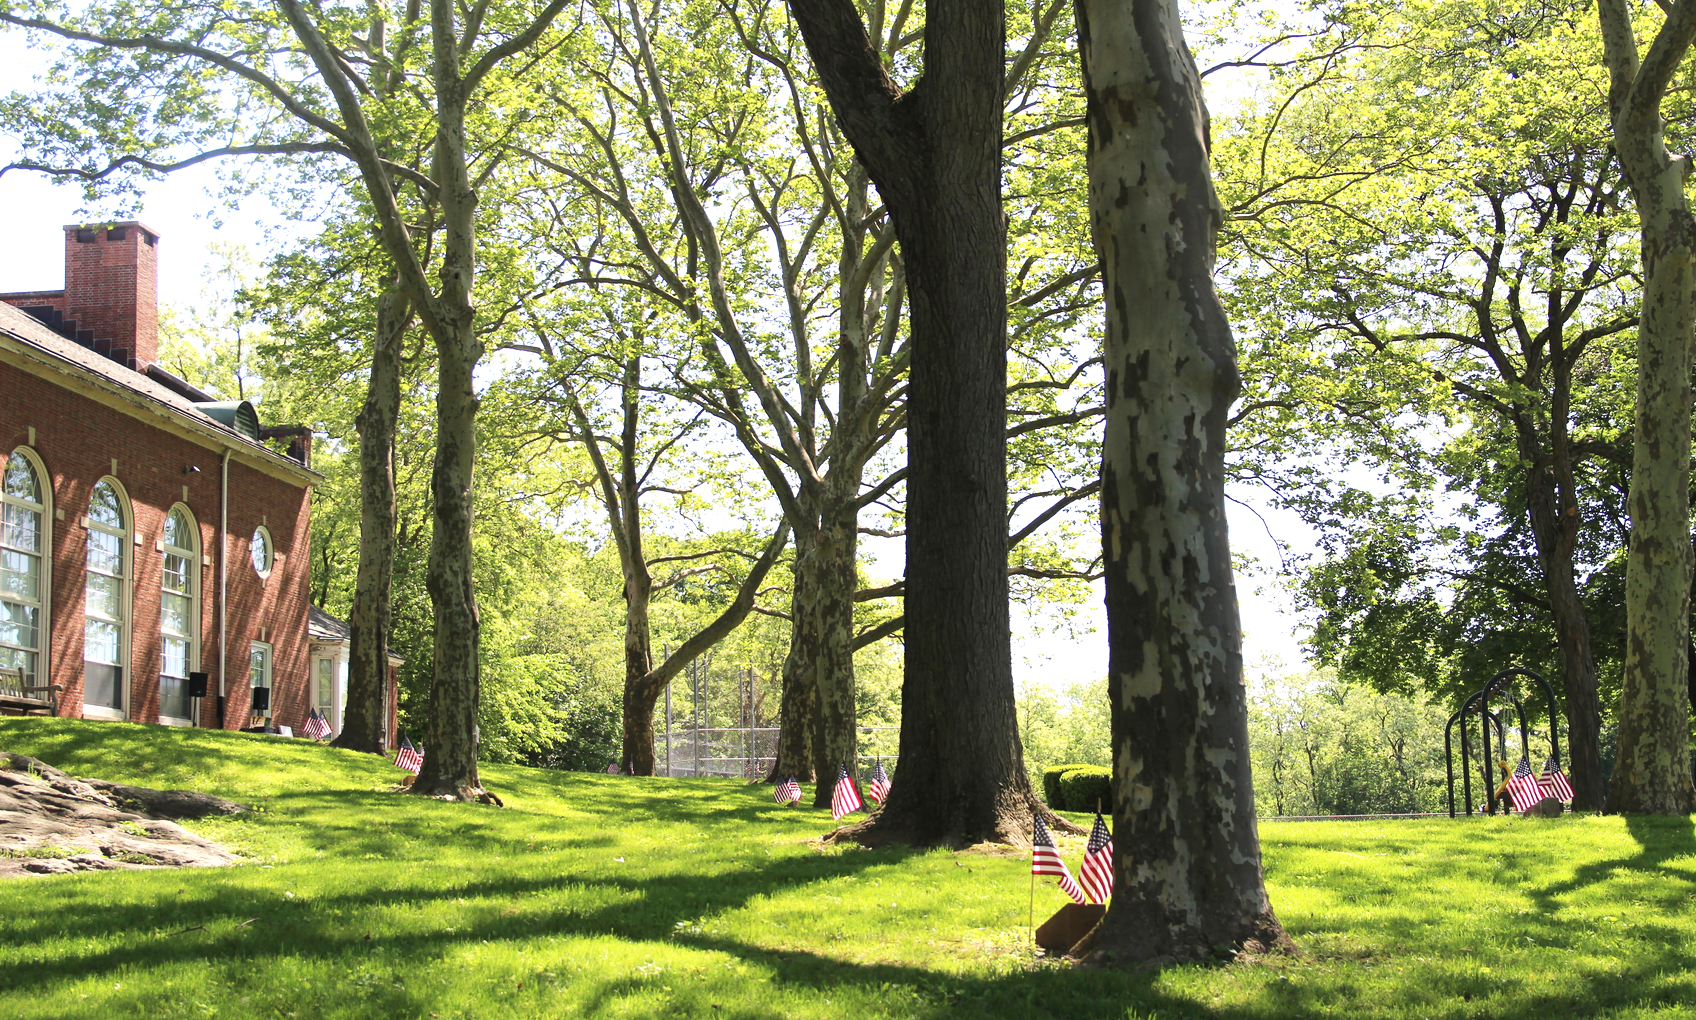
(154, 554)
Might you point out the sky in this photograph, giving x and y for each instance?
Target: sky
(187, 219)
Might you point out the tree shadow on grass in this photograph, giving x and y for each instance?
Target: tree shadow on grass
(1660, 840)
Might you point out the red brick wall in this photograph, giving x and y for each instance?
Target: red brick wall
(77, 438)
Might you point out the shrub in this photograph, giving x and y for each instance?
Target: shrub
(1051, 784)
(1087, 786)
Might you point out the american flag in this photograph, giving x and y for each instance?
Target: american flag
(409, 758)
(844, 799)
(1553, 781)
(1045, 860)
(1523, 787)
(787, 792)
(612, 769)
(1096, 872)
(878, 788)
(317, 727)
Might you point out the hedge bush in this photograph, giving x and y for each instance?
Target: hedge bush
(1051, 784)
(1083, 788)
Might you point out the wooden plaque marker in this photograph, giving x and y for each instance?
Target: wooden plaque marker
(1068, 926)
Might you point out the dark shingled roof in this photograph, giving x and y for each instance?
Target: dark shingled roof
(321, 626)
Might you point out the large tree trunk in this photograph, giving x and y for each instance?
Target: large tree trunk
(934, 154)
(800, 690)
(830, 607)
(364, 718)
(450, 760)
(1652, 769)
(1187, 873)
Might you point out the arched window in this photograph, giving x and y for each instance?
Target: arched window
(179, 613)
(106, 614)
(24, 543)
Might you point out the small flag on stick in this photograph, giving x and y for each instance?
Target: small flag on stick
(317, 726)
(1553, 781)
(1096, 872)
(612, 768)
(409, 758)
(878, 788)
(1045, 860)
(1523, 787)
(845, 798)
(787, 792)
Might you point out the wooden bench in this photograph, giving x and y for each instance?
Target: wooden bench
(29, 699)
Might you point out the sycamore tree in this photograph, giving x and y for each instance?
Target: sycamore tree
(1187, 872)
(151, 90)
(1652, 773)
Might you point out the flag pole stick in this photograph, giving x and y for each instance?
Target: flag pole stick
(1030, 920)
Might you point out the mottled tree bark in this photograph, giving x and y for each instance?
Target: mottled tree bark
(1652, 770)
(1187, 873)
(829, 605)
(364, 719)
(934, 154)
(800, 690)
(450, 761)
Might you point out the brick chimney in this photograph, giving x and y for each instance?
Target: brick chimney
(112, 288)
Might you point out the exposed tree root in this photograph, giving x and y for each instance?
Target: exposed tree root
(1122, 943)
(449, 791)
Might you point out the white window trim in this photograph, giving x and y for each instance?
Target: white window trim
(270, 552)
(126, 607)
(337, 654)
(44, 610)
(270, 683)
(192, 556)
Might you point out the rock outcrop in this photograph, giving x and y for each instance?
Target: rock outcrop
(52, 823)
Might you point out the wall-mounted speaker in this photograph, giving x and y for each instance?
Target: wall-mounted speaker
(197, 685)
(261, 699)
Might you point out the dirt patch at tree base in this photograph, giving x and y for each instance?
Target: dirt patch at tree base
(54, 824)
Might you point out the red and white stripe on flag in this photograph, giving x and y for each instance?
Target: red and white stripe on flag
(408, 758)
(787, 792)
(844, 799)
(1553, 782)
(1045, 860)
(1096, 872)
(1525, 792)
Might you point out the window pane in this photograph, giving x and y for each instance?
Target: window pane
(100, 642)
(20, 575)
(103, 506)
(174, 615)
(261, 550)
(173, 697)
(17, 658)
(175, 658)
(257, 666)
(105, 553)
(18, 625)
(178, 532)
(20, 528)
(176, 573)
(326, 682)
(20, 479)
(105, 597)
(102, 685)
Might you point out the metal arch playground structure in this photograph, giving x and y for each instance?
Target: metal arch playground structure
(1490, 725)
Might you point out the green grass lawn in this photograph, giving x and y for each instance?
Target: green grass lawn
(601, 896)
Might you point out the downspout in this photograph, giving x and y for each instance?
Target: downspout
(223, 583)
